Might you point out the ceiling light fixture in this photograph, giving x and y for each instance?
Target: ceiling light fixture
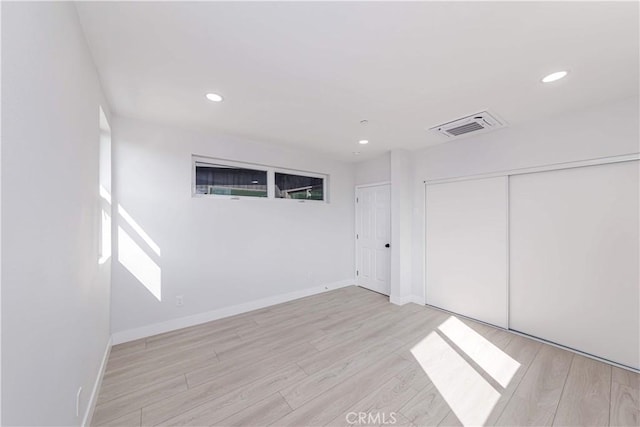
(355, 153)
(363, 141)
(554, 76)
(214, 97)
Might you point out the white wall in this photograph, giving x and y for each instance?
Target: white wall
(603, 131)
(0, 230)
(401, 238)
(55, 295)
(218, 252)
(374, 170)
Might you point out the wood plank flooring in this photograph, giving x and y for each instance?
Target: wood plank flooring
(349, 357)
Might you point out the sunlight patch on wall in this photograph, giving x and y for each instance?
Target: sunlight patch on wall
(105, 238)
(136, 227)
(104, 181)
(105, 194)
(105, 226)
(494, 361)
(143, 268)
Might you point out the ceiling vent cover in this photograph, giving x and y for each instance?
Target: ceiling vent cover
(475, 123)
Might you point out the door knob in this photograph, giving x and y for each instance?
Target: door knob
(387, 245)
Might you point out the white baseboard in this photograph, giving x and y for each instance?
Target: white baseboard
(416, 299)
(197, 319)
(91, 405)
(406, 299)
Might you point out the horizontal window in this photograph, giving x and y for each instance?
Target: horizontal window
(234, 180)
(289, 186)
(230, 181)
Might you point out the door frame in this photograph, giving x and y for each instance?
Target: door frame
(356, 265)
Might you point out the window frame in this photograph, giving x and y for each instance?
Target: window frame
(271, 174)
(325, 180)
(220, 162)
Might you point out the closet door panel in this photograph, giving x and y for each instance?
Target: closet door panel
(574, 258)
(466, 248)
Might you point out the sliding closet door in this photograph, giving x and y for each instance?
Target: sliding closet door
(466, 248)
(574, 276)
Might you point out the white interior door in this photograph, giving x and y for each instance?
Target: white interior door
(574, 259)
(373, 237)
(466, 248)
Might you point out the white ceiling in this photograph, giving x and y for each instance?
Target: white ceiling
(305, 74)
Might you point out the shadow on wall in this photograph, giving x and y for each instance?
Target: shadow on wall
(141, 263)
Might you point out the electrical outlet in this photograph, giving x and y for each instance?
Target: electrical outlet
(179, 301)
(78, 394)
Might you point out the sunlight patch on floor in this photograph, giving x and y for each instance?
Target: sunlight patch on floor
(469, 395)
(494, 361)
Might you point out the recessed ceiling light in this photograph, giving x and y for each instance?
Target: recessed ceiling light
(214, 97)
(554, 76)
(363, 142)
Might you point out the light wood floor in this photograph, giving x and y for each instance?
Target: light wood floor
(324, 359)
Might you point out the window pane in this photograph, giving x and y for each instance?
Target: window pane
(299, 187)
(230, 181)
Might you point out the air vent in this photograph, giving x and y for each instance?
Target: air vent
(476, 123)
